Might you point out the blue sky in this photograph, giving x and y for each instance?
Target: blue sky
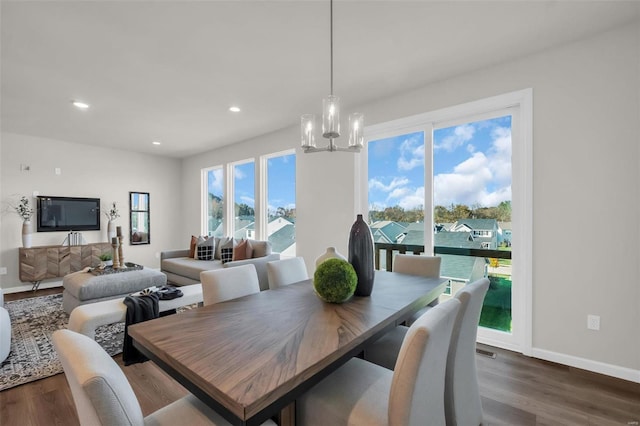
(472, 166)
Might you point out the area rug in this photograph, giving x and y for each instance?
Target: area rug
(32, 355)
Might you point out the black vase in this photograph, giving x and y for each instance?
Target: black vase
(361, 256)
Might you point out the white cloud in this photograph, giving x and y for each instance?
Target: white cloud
(413, 200)
(215, 181)
(469, 182)
(471, 165)
(398, 193)
(461, 134)
(411, 154)
(375, 184)
(238, 173)
(500, 155)
(247, 200)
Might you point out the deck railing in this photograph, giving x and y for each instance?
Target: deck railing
(418, 249)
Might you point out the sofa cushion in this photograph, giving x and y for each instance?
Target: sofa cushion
(188, 267)
(260, 248)
(205, 248)
(219, 243)
(192, 246)
(243, 250)
(226, 251)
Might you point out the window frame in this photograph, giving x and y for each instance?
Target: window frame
(520, 106)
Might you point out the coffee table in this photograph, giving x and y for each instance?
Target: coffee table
(82, 287)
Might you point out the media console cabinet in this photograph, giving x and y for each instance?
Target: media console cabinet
(43, 262)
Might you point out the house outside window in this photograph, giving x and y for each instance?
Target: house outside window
(214, 200)
(280, 185)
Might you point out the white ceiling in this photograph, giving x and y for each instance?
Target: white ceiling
(169, 70)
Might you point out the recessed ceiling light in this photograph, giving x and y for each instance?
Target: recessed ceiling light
(234, 109)
(156, 143)
(79, 104)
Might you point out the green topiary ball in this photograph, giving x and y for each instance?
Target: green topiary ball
(335, 280)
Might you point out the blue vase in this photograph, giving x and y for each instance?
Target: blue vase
(361, 256)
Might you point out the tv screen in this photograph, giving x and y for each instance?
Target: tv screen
(68, 214)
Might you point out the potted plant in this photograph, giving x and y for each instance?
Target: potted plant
(112, 215)
(25, 211)
(106, 259)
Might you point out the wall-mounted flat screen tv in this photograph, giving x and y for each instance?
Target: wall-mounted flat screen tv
(68, 214)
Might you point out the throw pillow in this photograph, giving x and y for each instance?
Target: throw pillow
(243, 250)
(220, 242)
(205, 248)
(226, 250)
(192, 247)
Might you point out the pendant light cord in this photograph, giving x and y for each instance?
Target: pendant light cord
(331, 41)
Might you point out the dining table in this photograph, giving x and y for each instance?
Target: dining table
(251, 357)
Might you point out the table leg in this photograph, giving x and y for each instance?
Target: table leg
(288, 415)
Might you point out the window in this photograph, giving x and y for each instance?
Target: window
(214, 198)
(396, 190)
(281, 202)
(472, 190)
(244, 199)
(476, 161)
(265, 212)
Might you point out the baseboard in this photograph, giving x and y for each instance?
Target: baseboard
(589, 365)
(28, 287)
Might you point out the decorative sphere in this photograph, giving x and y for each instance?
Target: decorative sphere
(335, 280)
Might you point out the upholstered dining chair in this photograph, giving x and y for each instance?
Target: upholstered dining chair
(462, 397)
(286, 271)
(5, 330)
(424, 266)
(103, 396)
(220, 285)
(362, 393)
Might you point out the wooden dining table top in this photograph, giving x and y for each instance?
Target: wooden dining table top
(249, 357)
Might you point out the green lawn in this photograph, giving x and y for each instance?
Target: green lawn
(496, 311)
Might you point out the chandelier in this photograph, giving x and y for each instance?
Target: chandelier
(331, 118)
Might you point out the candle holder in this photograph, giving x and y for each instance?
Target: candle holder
(116, 257)
(120, 255)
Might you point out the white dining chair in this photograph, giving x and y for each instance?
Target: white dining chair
(103, 396)
(421, 265)
(5, 330)
(286, 271)
(462, 396)
(362, 393)
(220, 285)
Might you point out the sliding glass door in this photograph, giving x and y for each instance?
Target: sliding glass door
(456, 183)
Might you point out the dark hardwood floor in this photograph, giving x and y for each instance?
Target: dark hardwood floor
(516, 390)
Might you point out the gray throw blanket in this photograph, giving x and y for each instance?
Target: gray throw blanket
(139, 309)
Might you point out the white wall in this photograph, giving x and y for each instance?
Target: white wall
(585, 178)
(87, 171)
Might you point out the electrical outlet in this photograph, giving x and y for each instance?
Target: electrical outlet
(593, 322)
(3, 271)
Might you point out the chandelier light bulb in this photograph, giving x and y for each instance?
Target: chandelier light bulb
(307, 137)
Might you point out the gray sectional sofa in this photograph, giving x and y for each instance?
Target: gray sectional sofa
(180, 269)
